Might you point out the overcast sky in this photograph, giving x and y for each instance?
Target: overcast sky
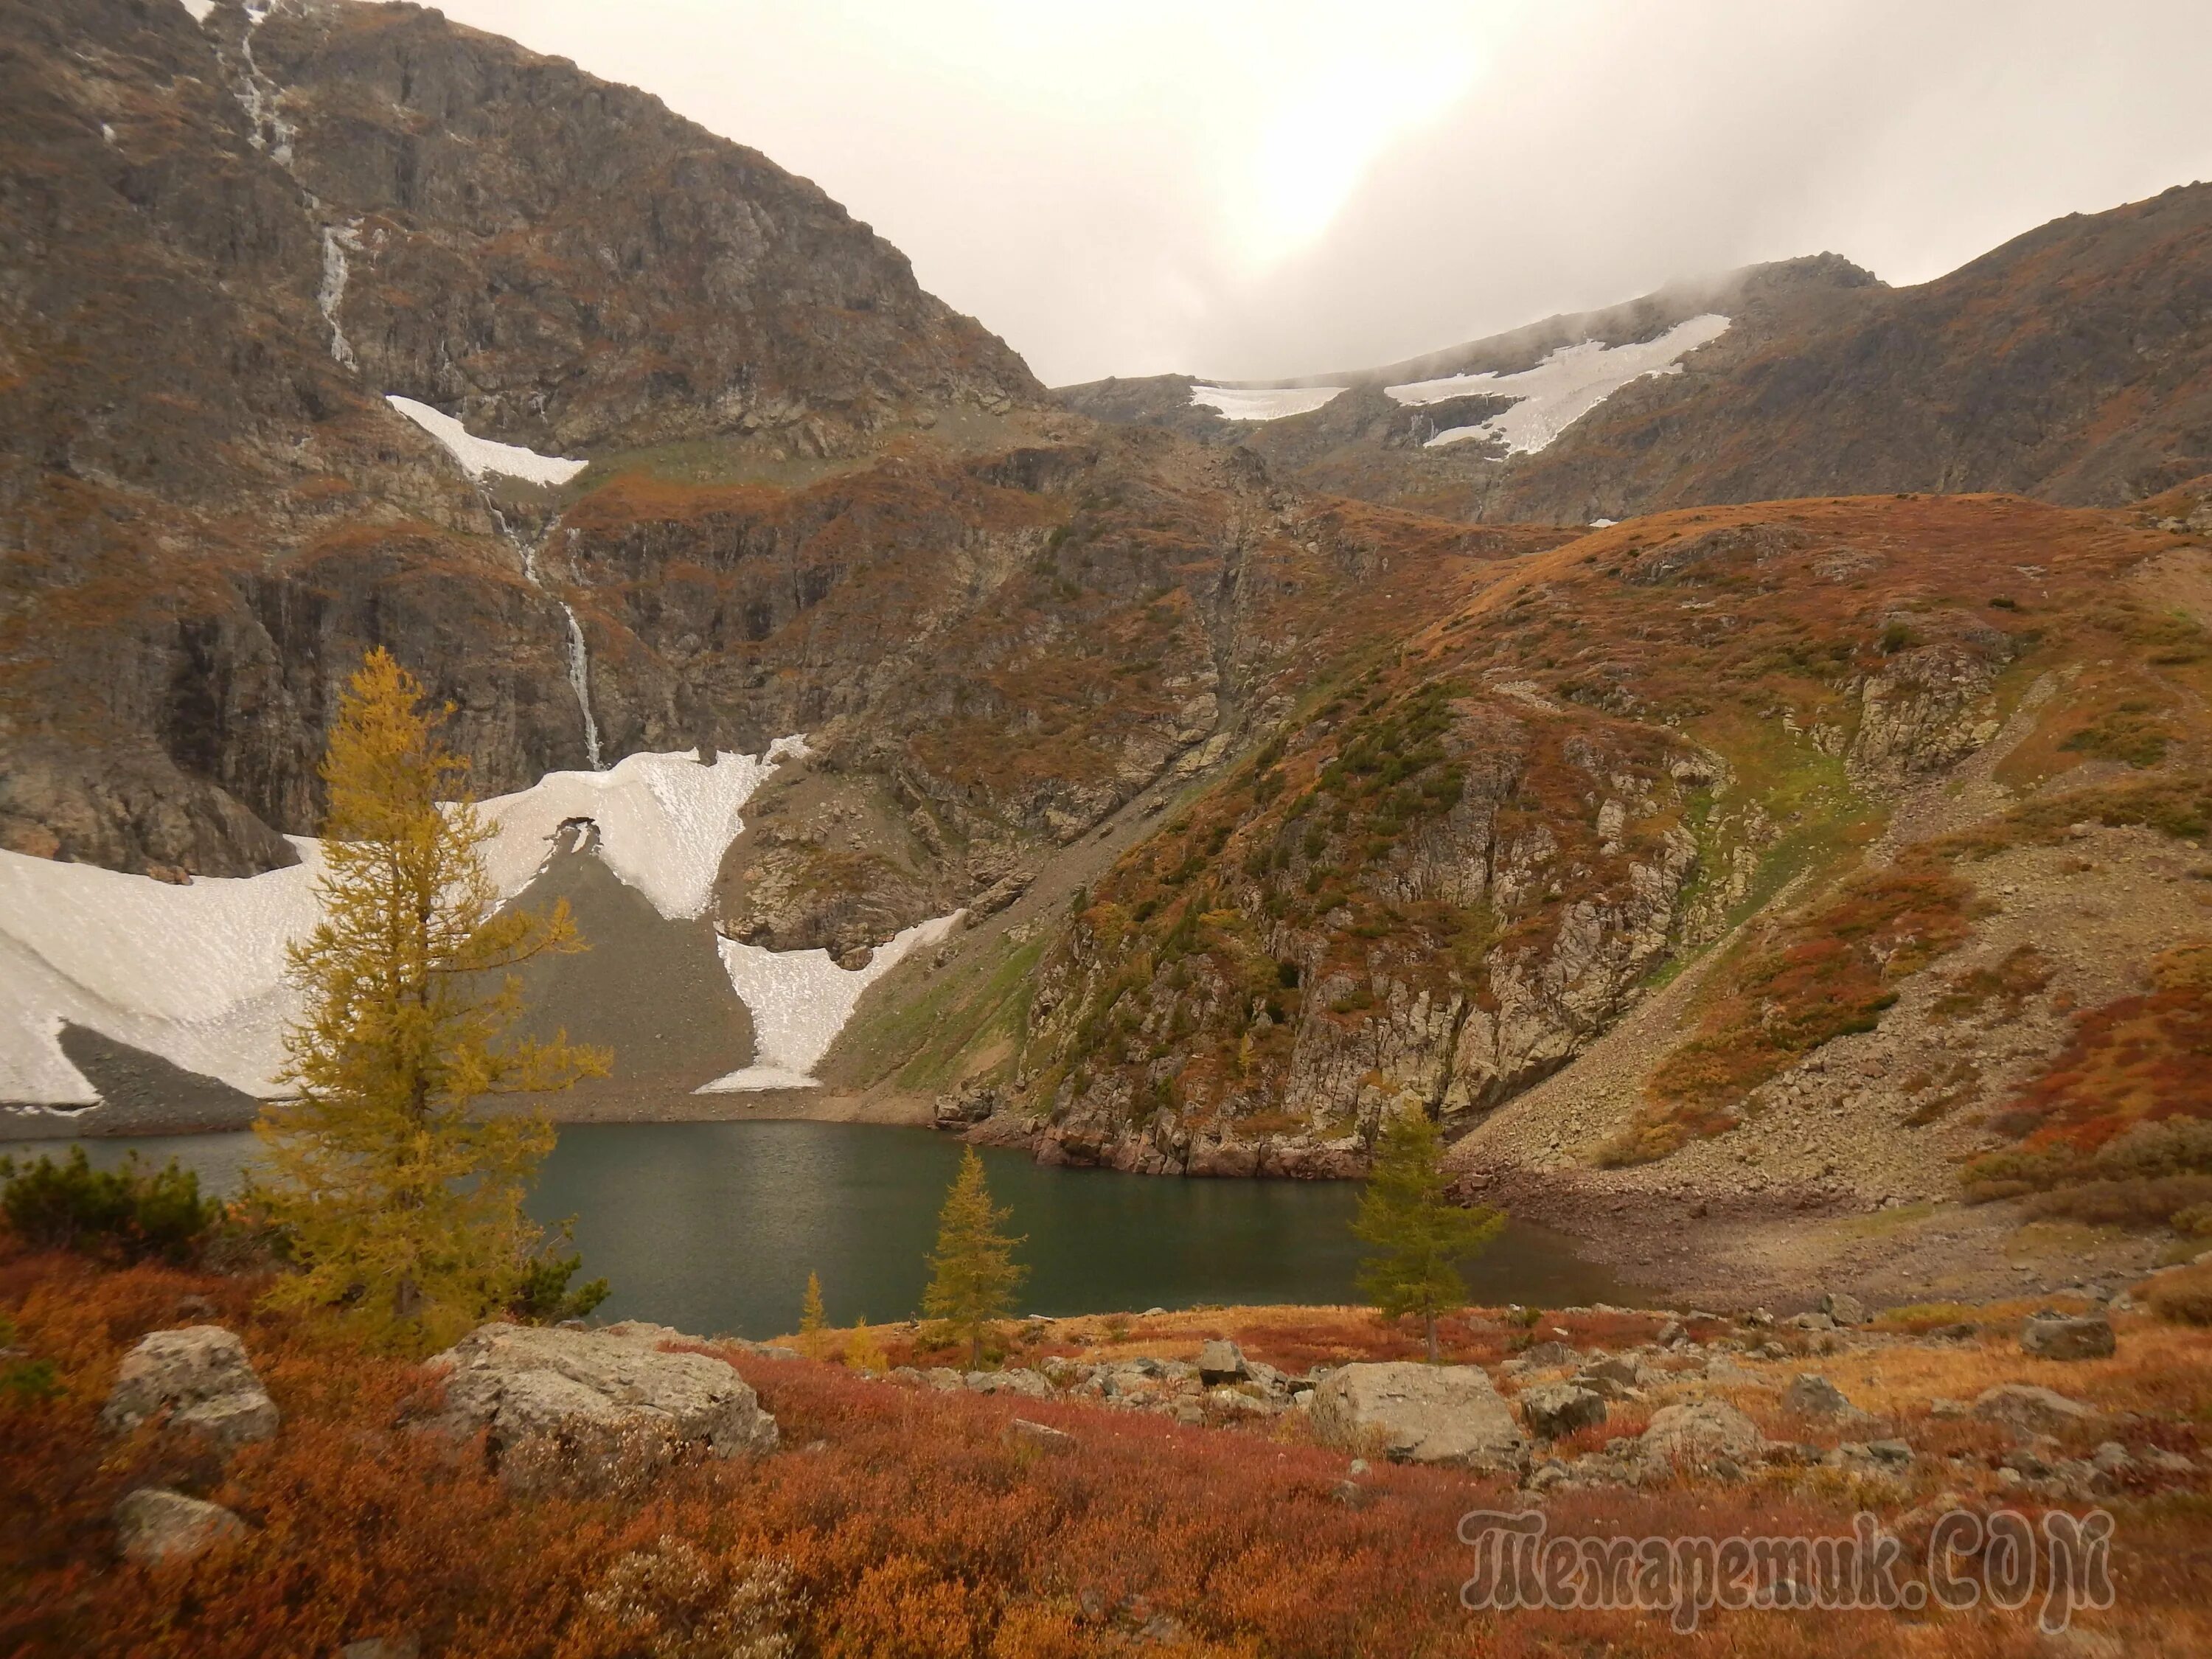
(1253, 188)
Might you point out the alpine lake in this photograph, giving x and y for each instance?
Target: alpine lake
(712, 1228)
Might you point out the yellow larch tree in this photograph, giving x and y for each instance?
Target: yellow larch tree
(401, 1204)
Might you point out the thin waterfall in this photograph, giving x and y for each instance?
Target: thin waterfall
(580, 662)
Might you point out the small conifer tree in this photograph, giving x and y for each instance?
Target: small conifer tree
(812, 1321)
(973, 1275)
(1420, 1234)
(401, 1206)
(863, 1353)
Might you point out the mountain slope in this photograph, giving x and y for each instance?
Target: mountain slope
(1860, 725)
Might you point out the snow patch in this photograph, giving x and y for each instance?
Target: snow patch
(799, 1000)
(664, 822)
(478, 456)
(199, 9)
(1236, 403)
(1563, 388)
(196, 974)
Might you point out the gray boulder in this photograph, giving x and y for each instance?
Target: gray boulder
(1030, 1385)
(201, 1376)
(1842, 1309)
(2030, 1410)
(406, 1645)
(153, 1524)
(1221, 1361)
(1814, 1395)
(525, 1382)
(1702, 1431)
(2067, 1336)
(1420, 1414)
(1554, 1410)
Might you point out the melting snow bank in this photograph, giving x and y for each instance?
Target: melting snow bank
(196, 974)
(799, 1000)
(1563, 388)
(478, 456)
(193, 974)
(1236, 403)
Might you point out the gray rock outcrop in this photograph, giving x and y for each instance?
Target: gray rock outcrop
(201, 1377)
(2030, 1410)
(1419, 1414)
(153, 1524)
(2067, 1336)
(525, 1382)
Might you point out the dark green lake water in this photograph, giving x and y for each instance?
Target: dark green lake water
(713, 1227)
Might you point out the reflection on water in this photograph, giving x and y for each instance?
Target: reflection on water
(713, 1227)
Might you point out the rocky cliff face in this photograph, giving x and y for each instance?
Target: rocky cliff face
(1425, 900)
(223, 245)
(1458, 873)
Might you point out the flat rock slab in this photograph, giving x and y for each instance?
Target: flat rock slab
(2064, 1336)
(1420, 1413)
(520, 1381)
(201, 1377)
(154, 1524)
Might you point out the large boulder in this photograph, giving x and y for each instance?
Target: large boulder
(154, 1524)
(1701, 1432)
(2030, 1410)
(201, 1376)
(529, 1383)
(1555, 1410)
(1420, 1414)
(2067, 1336)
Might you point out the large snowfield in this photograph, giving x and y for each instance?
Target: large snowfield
(1236, 403)
(1563, 388)
(195, 973)
(478, 456)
